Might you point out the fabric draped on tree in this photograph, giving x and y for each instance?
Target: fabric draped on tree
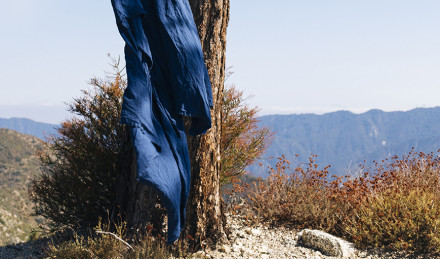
(167, 79)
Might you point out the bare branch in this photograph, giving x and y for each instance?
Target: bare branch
(118, 238)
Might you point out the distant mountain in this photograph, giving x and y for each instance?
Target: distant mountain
(341, 139)
(27, 126)
(344, 139)
(19, 164)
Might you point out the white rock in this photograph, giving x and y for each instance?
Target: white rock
(240, 234)
(199, 254)
(236, 249)
(225, 249)
(256, 232)
(326, 243)
(263, 249)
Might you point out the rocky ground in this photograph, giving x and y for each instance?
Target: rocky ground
(263, 242)
(245, 242)
(33, 249)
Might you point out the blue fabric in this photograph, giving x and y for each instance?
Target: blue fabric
(167, 79)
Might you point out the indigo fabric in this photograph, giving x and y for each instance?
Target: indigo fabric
(167, 79)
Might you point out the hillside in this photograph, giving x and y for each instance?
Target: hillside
(344, 139)
(27, 126)
(18, 165)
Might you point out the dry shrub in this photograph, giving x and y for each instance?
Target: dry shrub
(242, 141)
(403, 208)
(398, 220)
(395, 204)
(296, 197)
(80, 164)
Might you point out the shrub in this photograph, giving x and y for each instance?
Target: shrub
(297, 197)
(80, 165)
(398, 220)
(395, 204)
(403, 208)
(242, 141)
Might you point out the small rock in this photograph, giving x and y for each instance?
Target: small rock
(326, 243)
(225, 249)
(199, 254)
(240, 234)
(263, 249)
(256, 232)
(236, 248)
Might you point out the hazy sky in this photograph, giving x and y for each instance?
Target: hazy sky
(292, 56)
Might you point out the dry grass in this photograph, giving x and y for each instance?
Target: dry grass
(395, 204)
(105, 244)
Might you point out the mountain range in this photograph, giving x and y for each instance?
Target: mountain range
(344, 140)
(27, 126)
(341, 139)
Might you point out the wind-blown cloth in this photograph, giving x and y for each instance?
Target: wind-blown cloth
(167, 79)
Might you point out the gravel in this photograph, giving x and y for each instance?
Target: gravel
(258, 241)
(263, 242)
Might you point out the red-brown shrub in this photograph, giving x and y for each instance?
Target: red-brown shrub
(395, 204)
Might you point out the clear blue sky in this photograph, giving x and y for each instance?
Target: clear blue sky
(292, 56)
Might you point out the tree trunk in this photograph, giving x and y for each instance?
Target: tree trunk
(136, 203)
(139, 203)
(205, 220)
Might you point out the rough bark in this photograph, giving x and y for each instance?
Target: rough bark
(205, 222)
(138, 203)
